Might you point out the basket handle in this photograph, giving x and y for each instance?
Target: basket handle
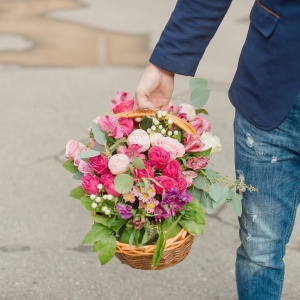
(185, 126)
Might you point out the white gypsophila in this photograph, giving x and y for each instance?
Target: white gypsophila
(188, 110)
(211, 141)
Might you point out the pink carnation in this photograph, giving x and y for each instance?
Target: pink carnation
(192, 143)
(122, 102)
(109, 124)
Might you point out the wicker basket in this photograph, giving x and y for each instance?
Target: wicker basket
(176, 248)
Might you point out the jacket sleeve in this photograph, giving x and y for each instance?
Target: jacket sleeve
(189, 30)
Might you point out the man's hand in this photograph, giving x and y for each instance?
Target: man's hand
(154, 89)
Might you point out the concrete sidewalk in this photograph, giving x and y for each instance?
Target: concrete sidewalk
(44, 103)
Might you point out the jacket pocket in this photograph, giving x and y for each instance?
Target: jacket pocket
(263, 19)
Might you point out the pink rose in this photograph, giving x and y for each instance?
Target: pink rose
(118, 164)
(89, 184)
(122, 102)
(158, 157)
(192, 143)
(147, 172)
(99, 164)
(182, 184)
(139, 137)
(108, 182)
(109, 124)
(189, 176)
(197, 163)
(200, 125)
(172, 169)
(188, 111)
(126, 125)
(171, 145)
(166, 183)
(73, 148)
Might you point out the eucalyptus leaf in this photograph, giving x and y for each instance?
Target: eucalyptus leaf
(211, 174)
(236, 202)
(200, 182)
(138, 163)
(218, 193)
(209, 208)
(199, 93)
(69, 166)
(77, 193)
(99, 134)
(123, 183)
(88, 154)
(77, 176)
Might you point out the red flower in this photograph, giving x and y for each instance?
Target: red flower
(99, 164)
(89, 184)
(122, 102)
(126, 125)
(172, 169)
(165, 183)
(158, 157)
(108, 182)
(182, 184)
(147, 172)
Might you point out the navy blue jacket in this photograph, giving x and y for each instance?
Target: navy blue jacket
(267, 80)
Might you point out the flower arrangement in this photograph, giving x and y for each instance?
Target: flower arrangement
(145, 181)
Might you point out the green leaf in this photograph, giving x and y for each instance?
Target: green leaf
(97, 233)
(200, 182)
(209, 207)
(138, 163)
(106, 248)
(211, 174)
(199, 92)
(146, 123)
(77, 176)
(77, 193)
(123, 183)
(199, 216)
(169, 228)
(117, 225)
(192, 227)
(87, 202)
(125, 235)
(236, 202)
(159, 250)
(201, 111)
(218, 193)
(99, 134)
(69, 165)
(88, 154)
(100, 219)
(205, 153)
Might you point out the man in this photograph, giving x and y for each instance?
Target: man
(265, 92)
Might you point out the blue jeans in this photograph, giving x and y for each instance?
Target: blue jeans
(270, 161)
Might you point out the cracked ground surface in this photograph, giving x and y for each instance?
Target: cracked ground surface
(41, 256)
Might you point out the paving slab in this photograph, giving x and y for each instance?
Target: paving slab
(41, 108)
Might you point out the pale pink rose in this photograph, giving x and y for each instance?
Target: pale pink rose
(154, 136)
(173, 108)
(118, 164)
(77, 161)
(110, 125)
(192, 143)
(201, 125)
(171, 145)
(189, 176)
(188, 110)
(139, 137)
(84, 167)
(73, 148)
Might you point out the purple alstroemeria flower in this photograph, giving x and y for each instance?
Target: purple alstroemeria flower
(186, 197)
(161, 213)
(172, 200)
(124, 210)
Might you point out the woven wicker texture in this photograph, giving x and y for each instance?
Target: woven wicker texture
(176, 248)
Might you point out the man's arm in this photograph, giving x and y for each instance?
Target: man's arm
(192, 25)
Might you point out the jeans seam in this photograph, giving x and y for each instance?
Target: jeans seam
(288, 234)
